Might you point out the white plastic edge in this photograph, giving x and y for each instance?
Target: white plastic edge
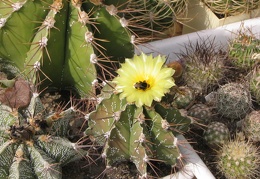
(194, 165)
(172, 46)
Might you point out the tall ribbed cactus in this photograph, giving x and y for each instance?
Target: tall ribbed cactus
(61, 39)
(138, 134)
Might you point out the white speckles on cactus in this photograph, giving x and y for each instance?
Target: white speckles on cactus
(216, 134)
(184, 97)
(233, 101)
(201, 112)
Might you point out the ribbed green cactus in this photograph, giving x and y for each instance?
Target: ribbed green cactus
(136, 134)
(33, 143)
(63, 40)
(239, 159)
(231, 7)
(233, 100)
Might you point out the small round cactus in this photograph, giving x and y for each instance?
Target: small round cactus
(251, 126)
(204, 65)
(183, 97)
(200, 111)
(239, 159)
(233, 101)
(255, 84)
(216, 134)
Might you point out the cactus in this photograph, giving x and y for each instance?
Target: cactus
(131, 123)
(242, 50)
(201, 112)
(233, 100)
(63, 40)
(216, 134)
(239, 159)
(137, 134)
(183, 97)
(33, 143)
(204, 65)
(255, 84)
(155, 16)
(251, 126)
(231, 7)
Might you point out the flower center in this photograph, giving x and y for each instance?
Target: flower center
(142, 85)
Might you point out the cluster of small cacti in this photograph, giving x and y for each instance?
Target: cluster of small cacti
(231, 7)
(34, 143)
(216, 134)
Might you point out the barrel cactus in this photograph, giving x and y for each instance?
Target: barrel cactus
(216, 134)
(183, 97)
(251, 126)
(233, 100)
(64, 40)
(33, 143)
(129, 124)
(204, 65)
(201, 112)
(231, 7)
(239, 159)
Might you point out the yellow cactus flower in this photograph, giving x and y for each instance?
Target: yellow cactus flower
(143, 79)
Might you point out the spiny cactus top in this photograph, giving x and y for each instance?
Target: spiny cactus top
(33, 144)
(144, 79)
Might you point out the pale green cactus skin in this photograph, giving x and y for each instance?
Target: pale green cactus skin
(35, 147)
(136, 134)
(62, 40)
(251, 126)
(216, 134)
(233, 100)
(239, 159)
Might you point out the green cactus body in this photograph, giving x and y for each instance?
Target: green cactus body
(59, 39)
(201, 112)
(231, 7)
(136, 134)
(251, 126)
(233, 101)
(216, 134)
(242, 50)
(239, 159)
(183, 97)
(255, 84)
(35, 147)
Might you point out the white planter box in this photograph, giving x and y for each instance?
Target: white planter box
(200, 17)
(195, 167)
